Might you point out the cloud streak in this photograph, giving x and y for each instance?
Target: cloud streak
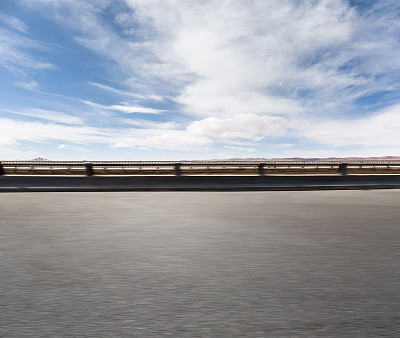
(124, 109)
(13, 22)
(15, 55)
(125, 93)
(49, 115)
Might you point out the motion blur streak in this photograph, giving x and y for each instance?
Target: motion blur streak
(205, 264)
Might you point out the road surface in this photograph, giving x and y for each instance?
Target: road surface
(200, 264)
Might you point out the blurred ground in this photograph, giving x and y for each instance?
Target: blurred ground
(200, 264)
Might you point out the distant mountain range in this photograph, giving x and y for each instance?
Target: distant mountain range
(303, 159)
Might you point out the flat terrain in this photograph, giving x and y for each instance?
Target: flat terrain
(200, 264)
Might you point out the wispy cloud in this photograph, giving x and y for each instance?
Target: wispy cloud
(18, 54)
(28, 84)
(151, 124)
(126, 93)
(14, 52)
(124, 109)
(48, 115)
(16, 131)
(13, 22)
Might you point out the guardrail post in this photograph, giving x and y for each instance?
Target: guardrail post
(261, 169)
(89, 169)
(177, 169)
(1, 169)
(343, 168)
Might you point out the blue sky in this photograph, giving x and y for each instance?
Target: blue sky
(199, 79)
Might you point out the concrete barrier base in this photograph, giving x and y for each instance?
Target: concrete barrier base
(197, 183)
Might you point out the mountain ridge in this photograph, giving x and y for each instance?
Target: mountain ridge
(322, 159)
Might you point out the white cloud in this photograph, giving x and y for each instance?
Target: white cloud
(12, 131)
(210, 99)
(15, 152)
(228, 58)
(240, 53)
(150, 124)
(11, 150)
(167, 139)
(48, 115)
(124, 109)
(71, 147)
(241, 149)
(380, 130)
(247, 126)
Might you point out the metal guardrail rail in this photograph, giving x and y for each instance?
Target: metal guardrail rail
(197, 167)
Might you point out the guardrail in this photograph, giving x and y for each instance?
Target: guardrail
(196, 168)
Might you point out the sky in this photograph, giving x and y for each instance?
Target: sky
(199, 79)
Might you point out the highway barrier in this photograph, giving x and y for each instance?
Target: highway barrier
(193, 168)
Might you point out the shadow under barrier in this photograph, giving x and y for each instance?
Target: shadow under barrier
(196, 183)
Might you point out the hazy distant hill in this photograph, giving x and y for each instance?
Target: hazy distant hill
(39, 159)
(303, 159)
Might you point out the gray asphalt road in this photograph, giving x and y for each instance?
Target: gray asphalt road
(200, 264)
